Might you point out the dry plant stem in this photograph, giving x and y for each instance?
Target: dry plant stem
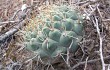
(7, 22)
(100, 37)
(89, 61)
(82, 49)
(68, 63)
(109, 67)
(68, 53)
(99, 12)
(52, 67)
(106, 20)
(83, 2)
(31, 58)
(11, 32)
(86, 63)
(15, 14)
(101, 40)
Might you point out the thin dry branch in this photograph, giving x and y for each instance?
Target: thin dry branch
(20, 24)
(7, 22)
(96, 24)
(86, 63)
(12, 31)
(89, 61)
(13, 17)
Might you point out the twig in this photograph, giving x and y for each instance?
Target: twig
(12, 31)
(68, 54)
(109, 67)
(83, 42)
(106, 20)
(96, 24)
(99, 12)
(86, 63)
(83, 2)
(89, 61)
(15, 14)
(101, 52)
(6, 22)
(86, 3)
(101, 40)
(13, 17)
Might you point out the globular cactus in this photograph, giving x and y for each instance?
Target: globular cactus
(60, 29)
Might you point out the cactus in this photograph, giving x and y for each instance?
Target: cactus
(56, 33)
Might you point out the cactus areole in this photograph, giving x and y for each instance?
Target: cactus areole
(61, 28)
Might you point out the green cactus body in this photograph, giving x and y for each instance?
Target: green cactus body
(66, 38)
(58, 51)
(57, 18)
(57, 25)
(73, 15)
(78, 28)
(67, 24)
(48, 23)
(40, 52)
(49, 45)
(33, 43)
(54, 35)
(46, 31)
(33, 34)
(41, 38)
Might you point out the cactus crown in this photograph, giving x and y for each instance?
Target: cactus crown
(55, 29)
